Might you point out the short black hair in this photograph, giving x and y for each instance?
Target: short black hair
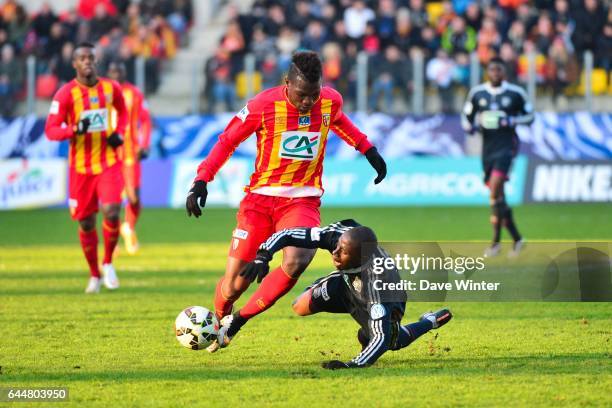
(306, 64)
(497, 60)
(361, 235)
(83, 44)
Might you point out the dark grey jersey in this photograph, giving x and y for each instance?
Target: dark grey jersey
(377, 311)
(495, 112)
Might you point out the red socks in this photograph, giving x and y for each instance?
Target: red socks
(273, 287)
(132, 211)
(89, 243)
(223, 305)
(110, 231)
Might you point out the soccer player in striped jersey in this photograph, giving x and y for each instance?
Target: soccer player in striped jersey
(81, 113)
(350, 289)
(292, 123)
(135, 148)
(495, 109)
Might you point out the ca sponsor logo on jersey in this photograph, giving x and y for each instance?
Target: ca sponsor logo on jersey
(304, 121)
(299, 145)
(377, 311)
(98, 119)
(242, 115)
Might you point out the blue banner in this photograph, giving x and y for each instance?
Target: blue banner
(553, 136)
(416, 181)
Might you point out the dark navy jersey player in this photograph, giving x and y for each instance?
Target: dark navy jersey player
(350, 289)
(494, 109)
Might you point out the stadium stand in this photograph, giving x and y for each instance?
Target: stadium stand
(153, 29)
(393, 32)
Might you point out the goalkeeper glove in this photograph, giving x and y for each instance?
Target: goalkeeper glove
(378, 163)
(258, 268)
(196, 198)
(115, 140)
(143, 153)
(82, 126)
(336, 365)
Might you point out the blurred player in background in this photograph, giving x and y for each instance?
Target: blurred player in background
(354, 288)
(494, 109)
(135, 148)
(81, 113)
(292, 124)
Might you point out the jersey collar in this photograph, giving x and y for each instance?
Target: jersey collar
(496, 91)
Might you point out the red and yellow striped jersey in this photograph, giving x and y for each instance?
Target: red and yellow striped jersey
(89, 153)
(138, 130)
(290, 145)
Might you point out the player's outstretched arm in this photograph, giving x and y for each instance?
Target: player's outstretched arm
(312, 238)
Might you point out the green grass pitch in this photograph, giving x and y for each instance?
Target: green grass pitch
(118, 349)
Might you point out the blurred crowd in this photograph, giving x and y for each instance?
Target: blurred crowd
(121, 29)
(393, 33)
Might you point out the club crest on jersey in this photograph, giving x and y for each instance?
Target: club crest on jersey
(357, 284)
(326, 117)
(94, 99)
(377, 311)
(304, 121)
(505, 101)
(299, 145)
(482, 102)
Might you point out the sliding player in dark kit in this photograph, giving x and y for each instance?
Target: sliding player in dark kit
(351, 289)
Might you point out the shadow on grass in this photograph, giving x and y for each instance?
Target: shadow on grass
(475, 367)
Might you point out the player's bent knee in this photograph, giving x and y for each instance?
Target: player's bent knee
(88, 224)
(111, 212)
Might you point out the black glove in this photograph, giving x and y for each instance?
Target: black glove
(258, 268)
(115, 140)
(378, 163)
(196, 198)
(334, 365)
(143, 154)
(82, 126)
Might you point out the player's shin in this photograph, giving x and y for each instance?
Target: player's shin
(132, 212)
(223, 304)
(89, 243)
(273, 287)
(497, 216)
(110, 231)
(511, 225)
(409, 333)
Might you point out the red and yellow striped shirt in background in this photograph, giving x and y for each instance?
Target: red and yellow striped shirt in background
(89, 153)
(138, 130)
(290, 145)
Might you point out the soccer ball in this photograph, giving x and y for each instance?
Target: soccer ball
(196, 327)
